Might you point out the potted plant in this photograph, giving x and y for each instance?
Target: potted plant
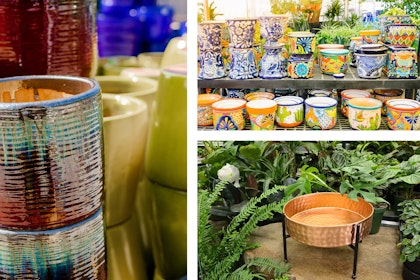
(410, 238)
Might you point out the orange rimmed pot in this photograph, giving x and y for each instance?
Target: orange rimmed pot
(364, 113)
(228, 114)
(403, 114)
(259, 95)
(387, 94)
(348, 94)
(262, 113)
(204, 108)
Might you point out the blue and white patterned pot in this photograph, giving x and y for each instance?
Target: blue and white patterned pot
(273, 65)
(271, 27)
(241, 32)
(244, 65)
(369, 66)
(211, 65)
(210, 36)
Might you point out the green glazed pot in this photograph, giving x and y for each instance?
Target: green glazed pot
(378, 214)
(166, 151)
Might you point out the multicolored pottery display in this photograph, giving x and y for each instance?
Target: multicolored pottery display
(204, 108)
(348, 94)
(241, 32)
(333, 61)
(273, 64)
(370, 36)
(271, 28)
(261, 113)
(228, 114)
(364, 113)
(301, 42)
(402, 35)
(403, 114)
(289, 111)
(210, 46)
(300, 66)
(387, 94)
(244, 64)
(321, 112)
(401, 63)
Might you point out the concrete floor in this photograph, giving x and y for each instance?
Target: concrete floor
(378, 256)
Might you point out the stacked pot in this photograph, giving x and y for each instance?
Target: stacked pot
(301, 61)
(51, 179)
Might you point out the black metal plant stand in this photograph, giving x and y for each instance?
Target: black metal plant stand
(354, 246)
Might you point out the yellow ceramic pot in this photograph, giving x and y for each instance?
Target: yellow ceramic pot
(262, 113)
(125, 130)
(228, 114)
(166, 153)
(142, 88)
(370, 36)
(125, 252)
(175, 52)
(204, 109)
(302, 42)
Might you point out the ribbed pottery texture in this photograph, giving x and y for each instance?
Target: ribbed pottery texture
(51, 171)
(73, 252)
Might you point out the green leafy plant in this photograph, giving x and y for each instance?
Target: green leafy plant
(220, 251)
(408, 176)
(410, 230)
(212, 14)
(334, 11)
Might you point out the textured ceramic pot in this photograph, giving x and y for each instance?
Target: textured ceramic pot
(369, 66)
(71, 252)
(51, 151)
(402, 35)
(387, 94)
(175, 52)
(321, 112)
(204, 108)
(261, 113)
(300, 66)
(258, 95)
(140, 87)
(244, 64)
(211, 65)
(125, 133)
(271, 27)
(289, 111)
(370, 36)
(166, 149)
(348, 94)
(403, 114)
(364, 113)
(401, 63)
(301, 42)
(210, 36)
(228, 114)
(241, 32)
(333, 61)
(273, 64)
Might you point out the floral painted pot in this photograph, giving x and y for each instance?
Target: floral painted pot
(228, 114)
(369, 66)
(348, 94)
(333, 61)
(401, 63)
(244, 65)
(289, 111)
(258, 95)
(403, 114)
(204, 108)
(273, 64)
(271, 27)
(241, 31)
(364, 113)
(261, 113)
(210, 36)
(321, 112)
(402, 35)
(301, 42)
(300, 66)
(327, 46)
(387, 94)
(211, 65)
(370, 36)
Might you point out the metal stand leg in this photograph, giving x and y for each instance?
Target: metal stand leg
(285, 236)
(355, 247)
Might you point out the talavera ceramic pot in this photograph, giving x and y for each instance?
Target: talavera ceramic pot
(125, 133)
(403, 114)
(321, 112)
(51, 151)
(271, 27)
(289, 111)
(261, 113)
(364, 113)
(302, 42)
(333, 61)
(241, 31)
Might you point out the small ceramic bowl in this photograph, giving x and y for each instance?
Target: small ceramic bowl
(204, 109)
(364, 113)
(333, 61)
(387, 94)
(289, 111)
(261, 113)
(348, 94)
(301, 42)
(403, 114)
(321, 112)
(258, 95)
(228, 114)
(370, 36)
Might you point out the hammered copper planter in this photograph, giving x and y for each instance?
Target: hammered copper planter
(51, 172)
(327, 219)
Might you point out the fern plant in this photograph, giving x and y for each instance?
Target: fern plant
(220, 251)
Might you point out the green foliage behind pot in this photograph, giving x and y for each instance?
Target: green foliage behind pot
(410, 229)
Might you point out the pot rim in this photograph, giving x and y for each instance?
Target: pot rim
(334, 51)
(289, 100)
(404, 109)
(347, 93)
(328, 101)
(140, 106)
(236, 104)
(204, 99)
(371, 106)
(298, 34)
(255, 106)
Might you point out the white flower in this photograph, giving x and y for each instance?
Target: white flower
(230, 173)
